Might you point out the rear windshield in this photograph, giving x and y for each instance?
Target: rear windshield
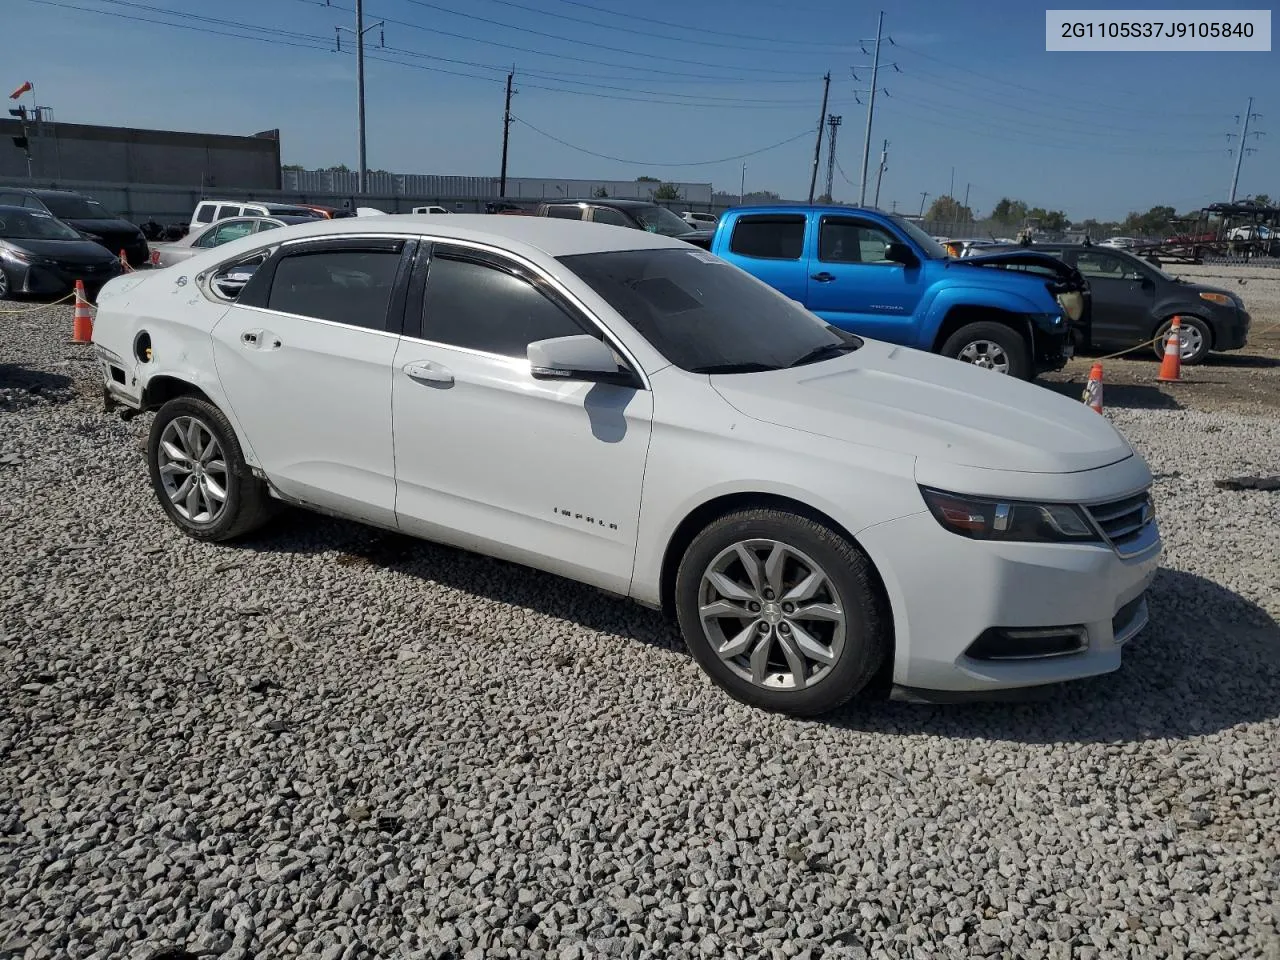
(76, 208)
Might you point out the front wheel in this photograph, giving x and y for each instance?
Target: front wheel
(991, 346)
(1195, 338)
(781, 612)
(199, 474)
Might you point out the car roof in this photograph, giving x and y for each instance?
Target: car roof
(41, 192)
(548, 235)
(805, 208)
(603, 202)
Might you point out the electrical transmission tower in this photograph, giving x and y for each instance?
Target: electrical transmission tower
(1244, 135)
(359, 32)
(833, 124)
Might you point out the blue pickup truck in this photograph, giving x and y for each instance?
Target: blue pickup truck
(879, 275)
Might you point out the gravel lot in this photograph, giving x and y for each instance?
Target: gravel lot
(334, 743)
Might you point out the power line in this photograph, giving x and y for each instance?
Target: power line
(583, 43)
(655, 163)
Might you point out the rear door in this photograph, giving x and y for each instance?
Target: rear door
(854, 287)
(305, 358)
(1123, 295)
(771, 246)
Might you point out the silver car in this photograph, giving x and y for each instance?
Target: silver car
(218, 233)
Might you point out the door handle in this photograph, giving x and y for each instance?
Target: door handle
(822, 277)
(251, 338)
(424, 371)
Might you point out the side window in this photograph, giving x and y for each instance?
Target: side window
(11, 199)
(232, 230)
(204, 213)
(227, 210)
(769, 237)
(481, 307)
(34, 204)
(852, 241)
(1101, 266)
(345, 286)
(565, 211)
(610, 216)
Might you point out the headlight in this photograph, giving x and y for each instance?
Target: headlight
(1020, 521)
(1072, 304)
(21, 256)
(1219, 298)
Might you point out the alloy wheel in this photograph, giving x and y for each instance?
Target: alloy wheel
(986, 354)
(193, 470)
(771, 614)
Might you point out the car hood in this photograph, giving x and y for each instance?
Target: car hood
(910, 402)
(1025, 257)
(101, 225)
(64, 251)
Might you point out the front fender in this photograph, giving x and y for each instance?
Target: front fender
(976, 297)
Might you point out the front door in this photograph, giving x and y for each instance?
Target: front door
(305, 359)
(540, 472)
(853, 286)
(1122, 296)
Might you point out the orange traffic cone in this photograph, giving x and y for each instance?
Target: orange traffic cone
(1093, 389)
(124, 262)
(82, 324)
(1171, 365)
(155, 258)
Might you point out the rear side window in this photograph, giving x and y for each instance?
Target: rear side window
(769, 237)
(565, 212)
(227, 210)
(345, 286)
(204, 213)
(482, 307)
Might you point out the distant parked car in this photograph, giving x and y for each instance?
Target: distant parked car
(430, 208)
(503, 206)
(1134, 300)
(42, 256)
(700, 221)
(86, 215)
(216, 234)
(1122, 243)
(208, 211)
(329, 213)
(636, 214)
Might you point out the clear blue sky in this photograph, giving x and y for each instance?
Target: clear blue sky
(1096, 134)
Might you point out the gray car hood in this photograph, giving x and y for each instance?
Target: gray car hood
(915, 403)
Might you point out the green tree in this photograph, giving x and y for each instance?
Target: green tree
(1009, 211)
(1155, 222)
(600, 193)
(1263, 198)
(667, 191)
(291, 166)
(647, 180)
(1053, 220)
(948, 210)
(823, 198)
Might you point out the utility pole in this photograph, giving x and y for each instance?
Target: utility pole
(360, 31)
(884, 165)
(1244, 138)
(871, 109)
(951, 192)
(506, 133)
(742, 187)
(966, 195)
(817, 146)
(833, 122)
(924, 195)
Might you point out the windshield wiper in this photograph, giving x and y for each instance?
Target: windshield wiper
(734, 368)
(826, 352)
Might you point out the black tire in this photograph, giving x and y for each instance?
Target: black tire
(247, 504)
(849, 584)
(6, 286)
(1013, 344)
(1190, 357)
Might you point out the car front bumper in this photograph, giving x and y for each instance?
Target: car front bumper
(947, 591)
(1233, 334)
(1053, 350)
(48, 280)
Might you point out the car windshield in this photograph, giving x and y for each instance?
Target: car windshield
(933, 250)
(16, 224)
(76, 208)
(705, 315)
(656, 219)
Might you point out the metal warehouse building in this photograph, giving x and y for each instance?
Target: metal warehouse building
(82, 152)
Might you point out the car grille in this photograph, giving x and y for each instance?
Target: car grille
(1123, 521)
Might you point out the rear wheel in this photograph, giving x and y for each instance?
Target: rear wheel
(781, 612)
(199, 474)
(6, 291)
(991, 346)
(1196, 339)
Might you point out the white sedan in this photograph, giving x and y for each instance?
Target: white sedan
(820, 513)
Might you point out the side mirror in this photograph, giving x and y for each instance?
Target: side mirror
(899, 253)
(580, 357)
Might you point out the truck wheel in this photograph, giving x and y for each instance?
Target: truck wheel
(992, 346)
(781, 611)
(1196, 339)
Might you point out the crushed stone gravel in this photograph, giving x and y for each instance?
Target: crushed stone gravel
(334, 743)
